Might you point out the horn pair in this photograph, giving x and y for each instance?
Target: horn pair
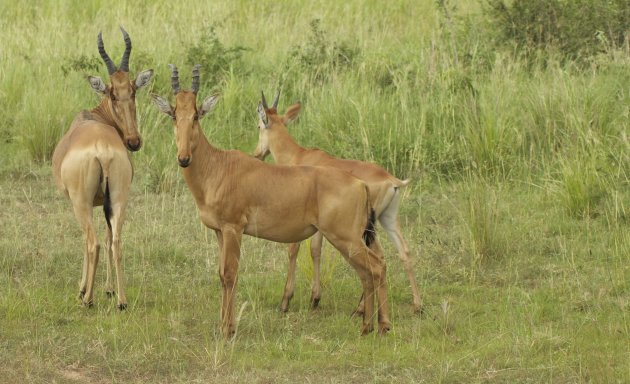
(124, 62)
(175, 79)
(275, 101)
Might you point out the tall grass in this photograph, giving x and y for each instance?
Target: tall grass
(517, 217)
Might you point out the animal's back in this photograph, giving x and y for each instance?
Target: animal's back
(80, 154)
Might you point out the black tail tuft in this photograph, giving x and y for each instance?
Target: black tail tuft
(370, 233)
(107, 205)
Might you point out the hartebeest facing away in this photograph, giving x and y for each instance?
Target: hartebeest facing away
(92, 167)
(384, 190)
(237, 194)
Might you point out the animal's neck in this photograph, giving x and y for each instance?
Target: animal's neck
(103, 113)
(284, 149)
(207, 166)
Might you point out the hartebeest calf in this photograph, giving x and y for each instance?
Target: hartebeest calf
(237, 194)
(384, 191)
(92, 167)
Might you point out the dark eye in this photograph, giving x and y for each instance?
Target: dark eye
(113, 97)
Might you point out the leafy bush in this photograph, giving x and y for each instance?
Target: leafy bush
(319, 56)
(576, 29)
(82, 64)
(214, 57)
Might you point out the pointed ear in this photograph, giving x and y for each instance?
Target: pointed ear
(144, 78)
(292, 113)
(97, 84)
(262, 114)
(208, 105)
(163, 105)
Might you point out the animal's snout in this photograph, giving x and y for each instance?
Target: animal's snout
(184, 161)
(134, 144)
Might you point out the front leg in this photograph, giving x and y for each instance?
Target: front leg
(228, 272)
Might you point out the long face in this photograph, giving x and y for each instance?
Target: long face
(262, 148)
(186, 127)
(122, 99)
(120, 96)
(272, 127)
(186, 116)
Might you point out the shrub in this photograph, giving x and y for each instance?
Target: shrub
(214, 57)
(576, 29)
(319, 57)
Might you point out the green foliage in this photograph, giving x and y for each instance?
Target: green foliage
(517, 217)
(82, 64)
(576, 29)
(215, 58)
(320, 57)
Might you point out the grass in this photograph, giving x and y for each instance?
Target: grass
(517, 217)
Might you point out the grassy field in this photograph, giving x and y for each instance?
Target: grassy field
(518, 216)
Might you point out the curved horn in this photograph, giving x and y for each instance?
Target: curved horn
(275, 101)
(174, 79)
(124, 62)
(264, 102)
(111, 67)
(195, 78)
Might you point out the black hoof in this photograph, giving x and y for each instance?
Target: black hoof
(81, 294)
(122, 307)
(315, 303)
(110, 294)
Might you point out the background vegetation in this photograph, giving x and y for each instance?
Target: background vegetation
(509, 115)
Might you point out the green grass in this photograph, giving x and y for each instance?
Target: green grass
(517, 217)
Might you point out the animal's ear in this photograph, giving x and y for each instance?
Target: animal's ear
(144, 78)
(262, 114)
(163, 105)
(97, 84)
(208, 105)
(292, 113)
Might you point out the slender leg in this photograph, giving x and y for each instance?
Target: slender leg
(83, 283)
(228, 271)
(109, 287)
(117, 221)
(83, 213)
(289, 286)
(358, 256)
(316, 252)
(379, 275)
(392, 226)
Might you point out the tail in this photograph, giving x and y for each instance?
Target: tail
(107, 204)
(402, 183)
(370, 232)
(105, 159)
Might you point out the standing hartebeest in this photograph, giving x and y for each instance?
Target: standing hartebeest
(237, 194)
(92, 166)
(384, 192)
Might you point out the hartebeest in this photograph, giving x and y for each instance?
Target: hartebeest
(92, 167)
(384, 190)
(237, 194)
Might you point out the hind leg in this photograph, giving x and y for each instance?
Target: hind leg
(289, 286)
(316, 252)
(370, 267)
(109, 287)
(83, 213)
(391, 224)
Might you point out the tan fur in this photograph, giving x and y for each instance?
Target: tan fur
(236, 194)
(92, 151)
(384, 192)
